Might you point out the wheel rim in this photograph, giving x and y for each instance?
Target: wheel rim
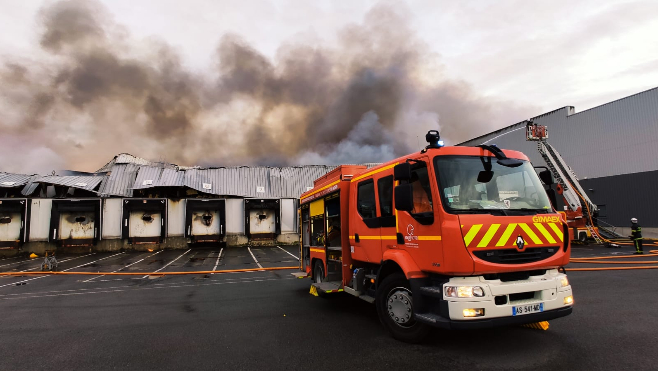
(399, 306)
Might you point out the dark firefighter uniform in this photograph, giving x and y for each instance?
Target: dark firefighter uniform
(636, 231)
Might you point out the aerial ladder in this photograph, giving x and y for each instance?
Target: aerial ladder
(580, 212)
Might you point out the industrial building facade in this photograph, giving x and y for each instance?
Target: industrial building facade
(612, 148)
(132, 203)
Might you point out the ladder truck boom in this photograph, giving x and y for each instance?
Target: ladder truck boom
(568, 184)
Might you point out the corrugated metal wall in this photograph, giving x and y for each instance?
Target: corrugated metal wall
(610, 147)
(613, 139)
(623, 197)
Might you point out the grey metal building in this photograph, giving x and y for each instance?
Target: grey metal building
(612, 148)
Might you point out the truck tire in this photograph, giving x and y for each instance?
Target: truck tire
(318, 272)
(395, 310)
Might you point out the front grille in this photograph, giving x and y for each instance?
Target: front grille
(522, 296)
(514, 256)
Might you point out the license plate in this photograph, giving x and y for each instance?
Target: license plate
(519, 310)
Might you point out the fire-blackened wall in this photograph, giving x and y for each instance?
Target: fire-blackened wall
(144, 220)
(262, 218)
(75, 222)
(14, 214)
(205, 220)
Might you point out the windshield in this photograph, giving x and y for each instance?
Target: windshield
(504, 189)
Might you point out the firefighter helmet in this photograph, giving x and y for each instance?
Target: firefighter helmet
(633, 220)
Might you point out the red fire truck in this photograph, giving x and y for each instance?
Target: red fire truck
(448, 237)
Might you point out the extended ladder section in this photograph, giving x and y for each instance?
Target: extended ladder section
(566, 178)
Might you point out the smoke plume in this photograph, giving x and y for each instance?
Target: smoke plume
(99, 92)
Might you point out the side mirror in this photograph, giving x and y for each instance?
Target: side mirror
(546, 177)
(485, 176)
(402, 171)
(404, 197)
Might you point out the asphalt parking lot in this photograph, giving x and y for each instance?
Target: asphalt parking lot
(267, 320)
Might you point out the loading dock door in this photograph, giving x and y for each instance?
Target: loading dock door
(262, 221)
(13, 222)
(76, 225)
(145, 223)
(10, 226)
(75, 222)
(205, 223)
(262, 218)
(205, 220)
(144, 220)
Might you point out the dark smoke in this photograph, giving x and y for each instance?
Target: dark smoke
(368, 99)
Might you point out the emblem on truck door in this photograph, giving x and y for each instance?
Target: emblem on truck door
(520, 244)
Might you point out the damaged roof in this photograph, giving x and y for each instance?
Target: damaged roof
(119, 181)
(87, 183)
(10, 180)
(126, 173)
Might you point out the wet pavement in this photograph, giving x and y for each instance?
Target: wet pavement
(267, 320)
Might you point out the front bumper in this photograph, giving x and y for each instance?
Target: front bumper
(441, 322)
(498, 301)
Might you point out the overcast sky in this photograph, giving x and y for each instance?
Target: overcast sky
(540, 55)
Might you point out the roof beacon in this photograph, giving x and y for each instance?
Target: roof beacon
(434, 139)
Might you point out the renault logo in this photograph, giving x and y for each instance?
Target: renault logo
(520, 244)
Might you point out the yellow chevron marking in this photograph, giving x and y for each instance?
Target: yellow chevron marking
(557, 231)
(471, 234)
(429, 238)
(544, 232)
(531, 234)
(506, 235)
(489, 235)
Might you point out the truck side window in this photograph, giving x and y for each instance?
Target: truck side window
(421, 189)
(385, 188)
(365, 199)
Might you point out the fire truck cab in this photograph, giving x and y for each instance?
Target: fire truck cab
(448, 237)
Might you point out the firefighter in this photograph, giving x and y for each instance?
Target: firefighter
(636, 231)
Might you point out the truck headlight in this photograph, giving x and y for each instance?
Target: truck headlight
(564, 281)
(464, 291)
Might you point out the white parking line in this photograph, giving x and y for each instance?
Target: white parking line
(122, 268)
(252, 255)
(218, 256)
(284, 250)
(180, 256)
(65, 270)
(58, 262)
(133, 288)
(41, 259)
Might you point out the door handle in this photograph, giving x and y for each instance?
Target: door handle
(356, 237)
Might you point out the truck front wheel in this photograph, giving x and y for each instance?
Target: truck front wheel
(318, 272)
(396, 311)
